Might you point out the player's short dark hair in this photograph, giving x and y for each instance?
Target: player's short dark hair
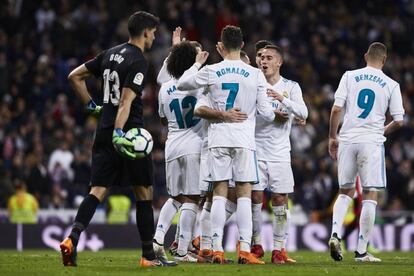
(140, 21)
(181, 58)
(377, 51)
(276, 48)
(232, 37)
(261, 44)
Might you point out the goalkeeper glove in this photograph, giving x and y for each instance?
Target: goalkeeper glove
(122, 145)
(93, 109)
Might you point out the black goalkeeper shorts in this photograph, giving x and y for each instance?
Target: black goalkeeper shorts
(109, 168)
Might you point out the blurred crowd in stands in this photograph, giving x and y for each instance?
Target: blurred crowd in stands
(46, 137)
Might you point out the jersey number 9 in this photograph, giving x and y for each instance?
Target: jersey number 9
(366, 98)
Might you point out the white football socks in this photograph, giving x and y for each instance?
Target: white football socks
(280, 225)
(187, 221)
(257, 223)
(168, 211)
(366, 223)
(339, 211)
(230, 209)
(287, 227)
(218, 219)
(205, 226)
(244, 222)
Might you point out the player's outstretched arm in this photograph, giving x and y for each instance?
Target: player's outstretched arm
(295, 104)
(77, 80)
(333, 130)
(192, 78)
(233, 115)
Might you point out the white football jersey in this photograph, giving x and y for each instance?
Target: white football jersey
(367, 93)
(184, 130)
(231, 83)
(272, 138)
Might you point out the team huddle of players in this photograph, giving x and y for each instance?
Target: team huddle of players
(228, 140)
(229, 126)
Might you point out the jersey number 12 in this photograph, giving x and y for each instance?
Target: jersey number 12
(187, 102)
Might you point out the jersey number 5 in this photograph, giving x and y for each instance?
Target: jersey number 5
(234, 89)
(187, 102)
(111, 86)
(366, 98)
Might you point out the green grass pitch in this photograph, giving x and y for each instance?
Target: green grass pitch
(125, 262)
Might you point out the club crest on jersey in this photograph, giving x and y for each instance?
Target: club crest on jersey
(285, 94)
(138, 79)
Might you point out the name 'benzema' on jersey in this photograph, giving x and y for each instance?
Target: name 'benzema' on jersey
(367, 93)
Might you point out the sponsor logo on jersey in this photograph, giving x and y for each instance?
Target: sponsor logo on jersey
(138, 79)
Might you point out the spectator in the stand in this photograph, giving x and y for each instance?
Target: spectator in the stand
(22, 206)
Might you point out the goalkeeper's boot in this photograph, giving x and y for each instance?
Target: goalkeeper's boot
(366, 257)
(144, 262)
(286, 258)
(335, 248)
(218, 257)
(257, 250)
(277, 257)
(69, 252)
(249, 258)
(160, 254)
(173, 248)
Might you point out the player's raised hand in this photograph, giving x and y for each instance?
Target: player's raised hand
(273, 94)
(220, 49)
(176, 36)
(234, 115)
(281, 117)
(202, 57)
(333, 148)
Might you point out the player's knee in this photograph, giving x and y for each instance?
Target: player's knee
(143, 193)
(370, 194)
(257, 197)
(99, 192)
(279, 199)
(244, 190)
(347, 191)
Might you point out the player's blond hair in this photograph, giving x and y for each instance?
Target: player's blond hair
(377, 51)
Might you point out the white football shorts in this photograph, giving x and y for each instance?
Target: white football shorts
(366, 160)
(277, 177)
(238, 164)
(183, 175)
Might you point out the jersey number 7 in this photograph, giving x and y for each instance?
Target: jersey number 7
(234, 89)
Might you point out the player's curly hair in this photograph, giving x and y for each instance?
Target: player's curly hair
(181, 58)
(232, 37)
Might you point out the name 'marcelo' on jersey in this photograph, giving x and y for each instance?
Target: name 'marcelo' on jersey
(367, 93)
(122, 66)
(185, 133)
(231, 83)
(272, 138)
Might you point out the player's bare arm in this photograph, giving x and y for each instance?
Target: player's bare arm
(128, 95)
(333, 130)
(233, 115)
(77, 81)
(393, 126)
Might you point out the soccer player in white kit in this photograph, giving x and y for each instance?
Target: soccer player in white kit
(273, 147)
(232, 83)
(366, 94)
(182, 153)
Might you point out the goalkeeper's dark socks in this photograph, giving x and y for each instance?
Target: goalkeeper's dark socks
(83, 217)
(145, 225)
